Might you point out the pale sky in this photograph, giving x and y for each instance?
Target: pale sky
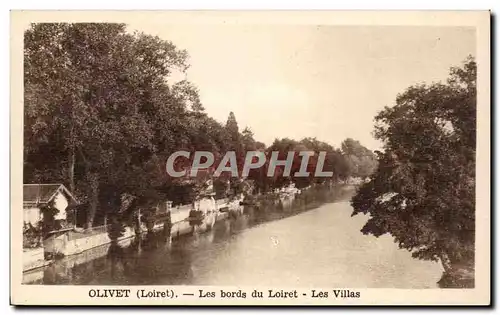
(302, 81)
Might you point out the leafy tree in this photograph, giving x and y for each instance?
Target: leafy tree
(102, 118)
(361, 161)
(423, 190)
(49, 223)
(248, 140)
(233, 133)
(97, 103)
(341, 168)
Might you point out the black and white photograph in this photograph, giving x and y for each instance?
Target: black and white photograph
(233, 158)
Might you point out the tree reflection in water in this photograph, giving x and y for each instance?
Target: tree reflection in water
(157, 258)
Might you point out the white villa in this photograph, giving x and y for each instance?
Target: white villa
(37, 195)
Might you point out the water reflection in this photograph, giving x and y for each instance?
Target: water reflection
(269, 243)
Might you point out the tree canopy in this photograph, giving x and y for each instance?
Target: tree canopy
(423, 191)
(102, 116)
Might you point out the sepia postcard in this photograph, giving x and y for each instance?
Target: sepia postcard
(250, 158)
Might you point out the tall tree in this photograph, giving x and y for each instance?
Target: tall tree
(232, 124)
(247, 140)
(95, 99)
(361, 161)
(233, 133)
(423, 192)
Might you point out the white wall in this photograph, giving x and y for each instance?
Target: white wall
(32, 257)
(63, 245)
(178, 214)
(32, 215)
(61, 203)
(206, 204)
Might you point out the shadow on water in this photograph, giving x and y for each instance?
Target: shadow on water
(273, 207)
(156, 258)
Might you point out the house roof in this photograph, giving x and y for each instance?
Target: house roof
(43, 193)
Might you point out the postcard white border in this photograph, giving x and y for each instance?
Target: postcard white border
(78, 295)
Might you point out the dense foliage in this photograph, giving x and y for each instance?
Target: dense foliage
(423, 191)
(102, 116)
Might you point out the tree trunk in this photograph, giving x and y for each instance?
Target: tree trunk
(71, 169)
(455, 275)
(150, 226)
(446, 262)
(94, 184)
(138, 223)
(71, 153)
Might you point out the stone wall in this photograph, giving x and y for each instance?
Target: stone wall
(62, 245)
(33, 258)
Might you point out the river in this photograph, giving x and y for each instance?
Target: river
(322, 247)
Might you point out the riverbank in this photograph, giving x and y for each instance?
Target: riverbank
(267, 207)
(264, 210)
(459, 276)
(271, 247)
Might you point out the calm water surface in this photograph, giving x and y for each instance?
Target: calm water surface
(322, 247)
